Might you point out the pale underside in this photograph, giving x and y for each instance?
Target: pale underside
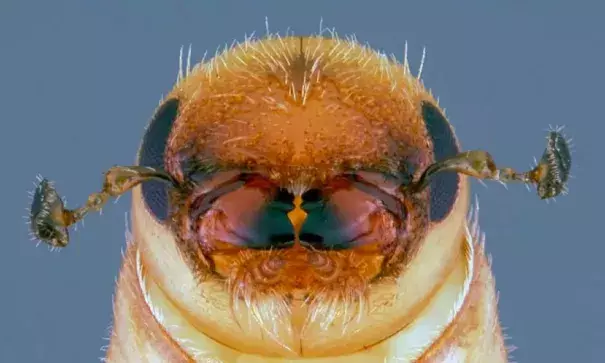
(459, 325)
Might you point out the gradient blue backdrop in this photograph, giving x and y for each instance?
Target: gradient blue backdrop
(79, 80)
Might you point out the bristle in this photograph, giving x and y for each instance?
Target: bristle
(419, 76)
(267, 27)
(180, 74)
(188, 69)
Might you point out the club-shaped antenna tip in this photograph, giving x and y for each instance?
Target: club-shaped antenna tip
(47, 215)
(554, 166)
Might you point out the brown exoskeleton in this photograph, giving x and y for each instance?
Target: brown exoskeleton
(302, 198)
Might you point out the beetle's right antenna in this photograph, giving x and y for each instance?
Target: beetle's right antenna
(49, 219)
(550, 175)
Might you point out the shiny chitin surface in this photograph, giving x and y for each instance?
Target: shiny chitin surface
(373, 275)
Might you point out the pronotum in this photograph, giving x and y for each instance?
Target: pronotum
(302, 198)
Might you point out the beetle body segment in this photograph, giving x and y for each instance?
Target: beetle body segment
(301, 112)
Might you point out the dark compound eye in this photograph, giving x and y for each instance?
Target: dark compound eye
(443, 186)
(155, 194)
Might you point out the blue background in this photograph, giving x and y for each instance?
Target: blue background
(80, 79)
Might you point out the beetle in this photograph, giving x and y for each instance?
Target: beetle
(304, 198)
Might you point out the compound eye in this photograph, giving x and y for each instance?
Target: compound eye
(247, 212)
(351, 212)
(155, 193)
(444, 186)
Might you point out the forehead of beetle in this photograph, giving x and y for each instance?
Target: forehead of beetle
(300, 106)
(300, 109)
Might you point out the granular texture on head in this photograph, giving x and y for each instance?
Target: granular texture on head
(302, 109)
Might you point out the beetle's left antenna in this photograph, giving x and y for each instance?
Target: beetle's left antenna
(49, 219)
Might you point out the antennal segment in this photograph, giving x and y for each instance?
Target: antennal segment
(49, 219)
(550, 175)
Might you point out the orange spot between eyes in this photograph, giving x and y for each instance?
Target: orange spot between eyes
(297, 215)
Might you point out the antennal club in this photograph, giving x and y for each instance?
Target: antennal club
(550, 175)
(49, 219)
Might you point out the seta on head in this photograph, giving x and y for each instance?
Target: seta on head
(180, 188)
